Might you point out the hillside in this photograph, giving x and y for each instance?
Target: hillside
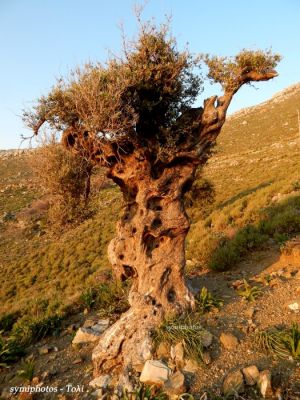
(255, 210)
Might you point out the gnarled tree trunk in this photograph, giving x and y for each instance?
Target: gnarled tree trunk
(149, 248)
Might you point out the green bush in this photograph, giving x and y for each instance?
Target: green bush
(30, 329)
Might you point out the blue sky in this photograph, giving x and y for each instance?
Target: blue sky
(43, 39)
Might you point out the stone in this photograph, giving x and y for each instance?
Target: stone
(264, 384)
(295, 306)
(88, 323)
(229, 341)
(206, 358)
(101, 325)
(251, 374)
(206, 338)
(155, 373)
(163, 350)
(45, 350)
(85, 335)
(233, 384)
(77, 361)
(175, 385)
(191, 366)
(177, 354)
(101, 382)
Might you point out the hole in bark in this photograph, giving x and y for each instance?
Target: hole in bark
(130, 212)
(150, 243)
(128, 271)
(133, 230)
(154, 203)
(164, 277)
(162, 239)
(141, 212)
(112, 160)
(171, 296)
(121, 256)
(156, 223)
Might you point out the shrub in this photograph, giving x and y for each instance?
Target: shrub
(65, 178)
(30, 329)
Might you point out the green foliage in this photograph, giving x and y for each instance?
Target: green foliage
(185, 329)
(27, 369)
(145, 90)
(10, 350)
(7, 320)
(87, 298)
(228, 70)
(144, 392)
(281, 343)
(30, 329)
(248, 292)
(205, 300)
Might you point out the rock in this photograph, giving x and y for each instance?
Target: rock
(206, 338)
(264, 384)
(295, 306)
(88, 323)
(191, 366)
(175, 385)
(206, 358)
(35, 381)
(237, 284)
(101, 382)
(85, 335)
(177, 354)
(251, 374)
(233, 383)
(45, 350)
(163, 350)
(155, 373)
(77, 361)
(229, 341)
(100, 326)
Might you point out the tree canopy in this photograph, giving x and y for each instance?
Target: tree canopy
(144, 98)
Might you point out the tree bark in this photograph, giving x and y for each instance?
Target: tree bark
(150, 249)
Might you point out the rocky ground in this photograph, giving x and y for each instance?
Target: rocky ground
(67, 367)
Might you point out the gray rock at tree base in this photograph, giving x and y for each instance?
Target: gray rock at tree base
(229, 341)
(251, 374)
(101, 382)
(101, 325)
(206, 338)
(175, 384)
(233, 383)
(86, 335)
(155, 373)
(264, 384)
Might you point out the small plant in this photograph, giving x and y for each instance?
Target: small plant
(27, 369)
(291, 340)
(182, 329)
(30, 329)
(280, 343)
(205, 300)
(88, 298)
(10, 350)
(248, 292)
